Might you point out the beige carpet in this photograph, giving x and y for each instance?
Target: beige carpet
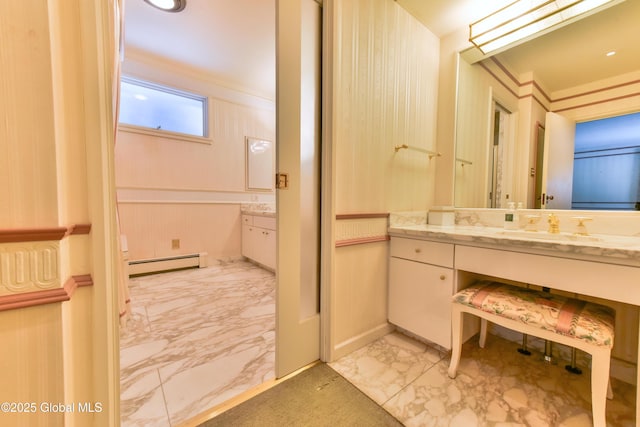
(318, 396)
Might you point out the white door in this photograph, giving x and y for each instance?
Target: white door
(557, 173)
(298, 53)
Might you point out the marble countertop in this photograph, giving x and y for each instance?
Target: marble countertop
(259, 209)
(270, 214)
(615, 249)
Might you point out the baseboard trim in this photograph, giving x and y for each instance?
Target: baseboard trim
(359, 341)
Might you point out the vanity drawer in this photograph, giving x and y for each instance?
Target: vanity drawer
(423, 251)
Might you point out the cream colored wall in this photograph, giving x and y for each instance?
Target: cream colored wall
(207, 227)
(56, 353)
(31, 359)
(388, 67)
(172, 188)
(27, 129)
(361, 306)
(385, 76)
(31, 356)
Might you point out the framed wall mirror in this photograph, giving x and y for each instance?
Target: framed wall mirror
(260, 164)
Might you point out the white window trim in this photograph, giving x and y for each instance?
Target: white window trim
(160, 133)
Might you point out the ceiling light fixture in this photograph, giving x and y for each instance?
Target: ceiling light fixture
(613, 52)
(168, 5)
(524, 18)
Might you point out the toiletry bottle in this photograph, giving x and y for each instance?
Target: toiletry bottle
(509, 217)
(516, 216)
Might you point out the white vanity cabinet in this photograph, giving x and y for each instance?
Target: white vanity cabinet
(420, 288)
(259, 239)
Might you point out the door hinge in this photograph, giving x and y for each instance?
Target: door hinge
(282, 181)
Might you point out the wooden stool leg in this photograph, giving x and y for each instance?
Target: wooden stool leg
(456, 339)
(483, 332)
(600, 362)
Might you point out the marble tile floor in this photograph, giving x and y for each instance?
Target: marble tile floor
(181, 356)
(495, 386)
(196, 339)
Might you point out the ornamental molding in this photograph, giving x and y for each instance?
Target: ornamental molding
(29, 266)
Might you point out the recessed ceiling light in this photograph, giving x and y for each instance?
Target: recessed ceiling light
(613, 52)
(168, 5)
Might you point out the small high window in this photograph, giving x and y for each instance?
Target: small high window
(161, 108)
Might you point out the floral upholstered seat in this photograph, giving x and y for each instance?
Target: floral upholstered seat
(579, 324)
(574, 318)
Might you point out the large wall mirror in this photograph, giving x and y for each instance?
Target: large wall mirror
(517, 111)
(260, 164)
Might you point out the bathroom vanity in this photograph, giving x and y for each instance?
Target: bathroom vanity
(259, 237)
(429, 263)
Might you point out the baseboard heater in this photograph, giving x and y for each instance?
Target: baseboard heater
(157, 265)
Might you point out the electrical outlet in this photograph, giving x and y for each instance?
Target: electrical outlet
(175, 244)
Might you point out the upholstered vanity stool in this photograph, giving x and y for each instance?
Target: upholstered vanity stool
(576, 323)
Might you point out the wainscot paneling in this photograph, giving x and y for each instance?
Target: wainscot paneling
(152, 229)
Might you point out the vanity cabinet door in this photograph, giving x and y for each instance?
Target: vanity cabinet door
(259, 240)
(420, 299)
(248, 240)
(265, 251)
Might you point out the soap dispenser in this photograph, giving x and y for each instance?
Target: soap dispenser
(510, 217)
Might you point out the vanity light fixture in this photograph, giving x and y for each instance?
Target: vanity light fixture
(168, 5)
(524, 18)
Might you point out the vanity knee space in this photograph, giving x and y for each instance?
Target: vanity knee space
(584, 325)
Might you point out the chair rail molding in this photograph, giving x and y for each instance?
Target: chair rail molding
(357, 229)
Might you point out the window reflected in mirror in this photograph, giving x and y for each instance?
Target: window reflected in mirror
(606, 172)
